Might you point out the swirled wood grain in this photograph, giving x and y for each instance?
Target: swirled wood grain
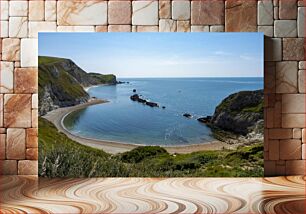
(153, 195)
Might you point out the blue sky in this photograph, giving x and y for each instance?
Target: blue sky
(160, 54)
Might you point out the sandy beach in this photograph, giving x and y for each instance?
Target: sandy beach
(57, 116)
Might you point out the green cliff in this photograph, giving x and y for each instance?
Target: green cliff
(61, 83)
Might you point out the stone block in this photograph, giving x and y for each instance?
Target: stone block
(145, 13)
(301, 3)
(302, 65)
(297, 133)
(216, 28)
(36, 10)
(199, 28)
(180, 10)
(32, 154)
(275, 13)
(280, 133)
(6, 77)
(285, 28)
(164, 9)
(167, 25)
(18, 8)
(29, 53)
(293, 103)
(278, 114)
(32, 138)
(15, 144)
(293, 49)
(8, 167)
(11, 49)
(267, 30)
(301, 21)
(26, 80)
(74, 12)
(183, 26)
(34, 101)
(287, 9)
(207, 12)
(280, 170)
(27, 167)
(286, 77)
(265, 12)
(293, 120)
(302, 82)
(269, 168)
(273, 149)
(18, 27)
(2, 146)
(50, 10)
(76, 28)
(1, 110)
(147, 29)
(101, 28)
(4, 29)
(35, 27)
(119, 28)
(303, 151)
(34, 119)
(269, 77)
(240, 16)
(290, 149)
(119, 12)
(17, 110)
(269, 118)
(295, 167)
(4, 9)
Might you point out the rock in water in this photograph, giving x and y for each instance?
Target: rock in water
(152, 104)
(134, 90)
(187, 115)
(204, 119)
(134, 97)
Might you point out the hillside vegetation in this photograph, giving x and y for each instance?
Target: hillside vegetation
(61, 83)
(59, 156)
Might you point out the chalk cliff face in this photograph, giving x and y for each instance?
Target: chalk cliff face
(240, 113)
(61, 83)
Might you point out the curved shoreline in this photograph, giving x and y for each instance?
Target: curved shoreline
(58, 115)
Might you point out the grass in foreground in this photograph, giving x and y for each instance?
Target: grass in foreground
(61, 157)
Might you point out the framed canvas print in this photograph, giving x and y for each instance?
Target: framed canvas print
(151, 104)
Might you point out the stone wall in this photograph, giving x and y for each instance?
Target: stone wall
(282, 21)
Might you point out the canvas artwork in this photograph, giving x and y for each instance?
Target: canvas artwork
(151, 104)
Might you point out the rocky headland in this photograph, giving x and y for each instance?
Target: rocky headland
(239, 118)
(62, 83)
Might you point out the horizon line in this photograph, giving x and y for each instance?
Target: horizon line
(194, 77)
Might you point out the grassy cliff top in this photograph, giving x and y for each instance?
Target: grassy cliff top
(42, 60)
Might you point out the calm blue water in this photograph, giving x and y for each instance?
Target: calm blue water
(123, 120)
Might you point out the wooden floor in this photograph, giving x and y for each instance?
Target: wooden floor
(139, 195)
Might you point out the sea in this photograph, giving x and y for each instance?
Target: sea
(125, 121)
